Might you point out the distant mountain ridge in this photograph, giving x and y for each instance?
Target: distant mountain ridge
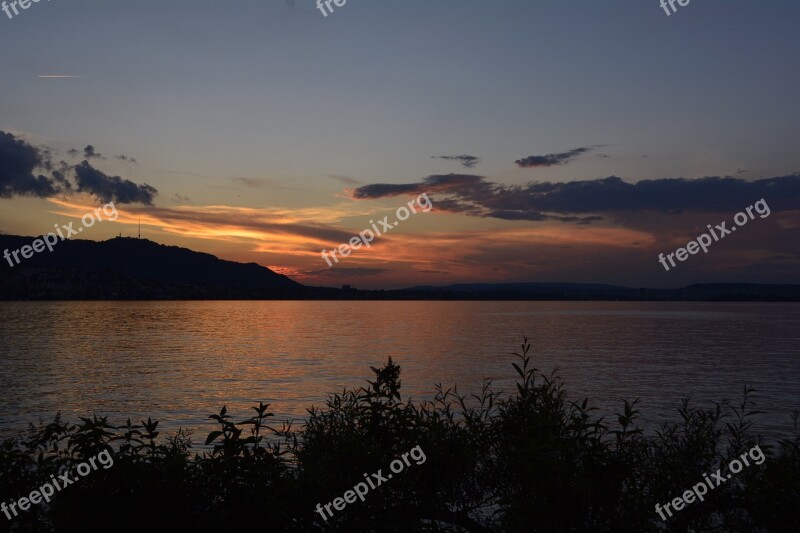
(527, 287)
(139, 269)
(596, 291)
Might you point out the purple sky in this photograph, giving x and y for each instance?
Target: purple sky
(557, 141)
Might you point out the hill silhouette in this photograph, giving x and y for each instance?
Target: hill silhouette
(129, 268)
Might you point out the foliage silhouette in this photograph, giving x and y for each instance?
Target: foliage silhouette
(523, 462)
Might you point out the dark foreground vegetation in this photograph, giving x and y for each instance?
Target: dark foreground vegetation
(521, 462)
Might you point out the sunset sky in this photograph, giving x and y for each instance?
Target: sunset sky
(599, 134)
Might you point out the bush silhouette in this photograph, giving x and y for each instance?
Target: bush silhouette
(527, 461)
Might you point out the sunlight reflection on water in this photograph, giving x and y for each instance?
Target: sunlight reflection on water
(181, 361)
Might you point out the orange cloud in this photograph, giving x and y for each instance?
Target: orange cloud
(290, 242)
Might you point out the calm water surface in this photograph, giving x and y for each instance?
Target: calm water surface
(180, 361)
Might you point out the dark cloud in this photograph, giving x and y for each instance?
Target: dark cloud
(462, 183)
(123, 157)
(669, 196)
(476, 196)
(468, 161)
(550, 160)
(46, 155)
(90, 153)
(379, 190)
(60, 177)
(23, 168)
(19, 163)
(509, 214)
(454, 206)
(112, 188)
(180, 199)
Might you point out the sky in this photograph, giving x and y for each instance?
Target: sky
(569, 140)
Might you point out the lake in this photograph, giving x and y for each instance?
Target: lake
(181, 361)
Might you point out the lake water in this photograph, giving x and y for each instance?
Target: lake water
(181, 361)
